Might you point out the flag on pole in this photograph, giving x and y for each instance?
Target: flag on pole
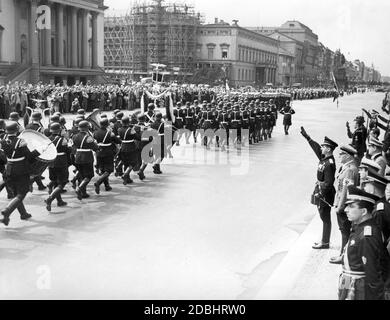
(336, 97)
(142, 104)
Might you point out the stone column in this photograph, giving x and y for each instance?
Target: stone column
(60, 35)
(94, 41)
(34, 34)
(74, 38)
(85, 44)
(266, 75)
(47, 40)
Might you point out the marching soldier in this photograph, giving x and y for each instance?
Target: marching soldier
(347, 175)
(84, 146)
(361, 278)
(58, 170)
(17, 172)
(150, 116)
(324, 192)
(235, 122)
(36, 124)
(179, 114)
(14, 116)
(189, 121)
(128, 151)
(105, 155)
(159, 147)
(140, 128)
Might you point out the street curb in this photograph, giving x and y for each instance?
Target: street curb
(281, 282)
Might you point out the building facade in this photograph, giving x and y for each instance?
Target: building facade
(306, 45)
(69, 52)
(246, 57)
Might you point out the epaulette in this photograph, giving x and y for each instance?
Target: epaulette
(380, 206)
(367, 231)
(331, 161)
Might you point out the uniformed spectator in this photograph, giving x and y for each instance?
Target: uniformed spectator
(362, 278)
(347, 175)
(324, 191)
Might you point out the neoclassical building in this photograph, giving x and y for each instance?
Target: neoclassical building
(249, 58)
(70, 52)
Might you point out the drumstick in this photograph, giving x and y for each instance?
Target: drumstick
(44, 149)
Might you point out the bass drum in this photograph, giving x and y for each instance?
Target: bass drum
(38, 141)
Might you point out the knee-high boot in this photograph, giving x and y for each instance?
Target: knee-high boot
(56, 194)
(81, 190)
(102, 178)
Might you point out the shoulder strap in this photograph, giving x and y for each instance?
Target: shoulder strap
(105, 137)
(58, 141)
(124, 137)
(16, 147)
(82, 142)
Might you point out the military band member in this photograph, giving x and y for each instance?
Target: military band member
(189, 122)
(36, 124)
(106, 141)
(128, 152)
(347, 175)
(361, 278)
(84, 146)
(179, 114)
(150, 115)
(58, 169)
(17, 172)
(159, 147)
(324, 192)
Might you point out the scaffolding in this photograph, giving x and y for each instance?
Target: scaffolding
(152, 32)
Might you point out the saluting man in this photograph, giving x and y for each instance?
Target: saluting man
(324, 192)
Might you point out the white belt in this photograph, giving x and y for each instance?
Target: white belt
(83, 150)
(104, 144)
(61, 153)
(127, 141)
(354, 274)
(161, 134)
(16, 159)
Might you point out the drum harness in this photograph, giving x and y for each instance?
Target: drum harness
(57, 143)
(103, 143)
(124, 137)
(12, 159)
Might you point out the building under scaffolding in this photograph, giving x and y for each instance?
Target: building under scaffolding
(151, 32)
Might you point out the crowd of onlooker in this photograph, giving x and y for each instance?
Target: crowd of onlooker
(68, 99)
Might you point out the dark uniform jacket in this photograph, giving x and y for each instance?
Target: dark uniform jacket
(358, 137)
(18, 156)
(83, 145)
(363, 253)
(63, 151)
(129, 138)
(325, 174)
(106, 140)
(36, 126)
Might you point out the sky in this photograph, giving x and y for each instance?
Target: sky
(358, 27)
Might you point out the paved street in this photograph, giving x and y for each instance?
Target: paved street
(214, 225)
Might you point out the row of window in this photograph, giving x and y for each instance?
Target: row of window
(254, 55)
(215, 32)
